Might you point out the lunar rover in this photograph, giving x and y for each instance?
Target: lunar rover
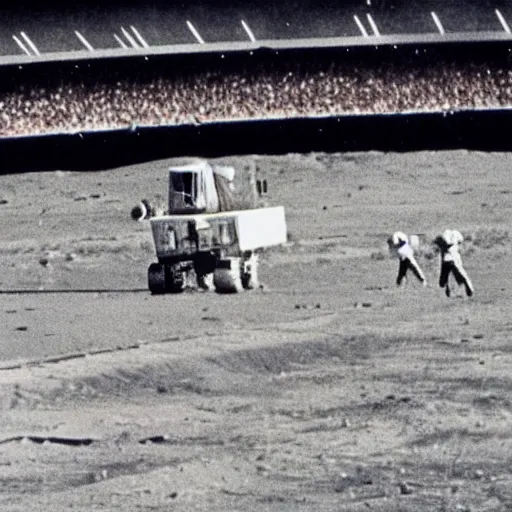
(206, 232)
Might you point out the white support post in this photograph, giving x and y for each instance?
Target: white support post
(142, 41)
(248, 31)
(32, 46)
(21, 45)
(130, 39)
(438, 23)
(361, 26)
(504, 24)
(373, 25)
(195, 32)
(84, 41)
(122, 44)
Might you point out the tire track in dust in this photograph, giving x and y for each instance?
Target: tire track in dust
(71, 290)
(181, 362)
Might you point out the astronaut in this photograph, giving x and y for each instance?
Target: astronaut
(451, 262)
(400, 246)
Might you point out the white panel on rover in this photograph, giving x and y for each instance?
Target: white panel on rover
(261, 227)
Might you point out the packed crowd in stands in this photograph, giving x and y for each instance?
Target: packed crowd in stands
(294, 90)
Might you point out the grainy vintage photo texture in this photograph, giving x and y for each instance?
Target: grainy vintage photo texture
(324, 385)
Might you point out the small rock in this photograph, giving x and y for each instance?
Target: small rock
(478, 336)
(155, 439)
(324, 208)
(405, 488)
(342, 483)
(69, 256)
(366, 479)
(22, 328)
(173, 495)
(345, 423)
(210, 318)
(479, 473)
(3, 201)
(43, 261)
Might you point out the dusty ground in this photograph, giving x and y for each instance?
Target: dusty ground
(329, 389)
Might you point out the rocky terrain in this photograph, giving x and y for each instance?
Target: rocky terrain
(328, 389)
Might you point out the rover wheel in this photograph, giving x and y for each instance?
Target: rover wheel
(250, 273)
(156, 278)
(227, 276)
(205, 281)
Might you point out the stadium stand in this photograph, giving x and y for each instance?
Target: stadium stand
(281, 89)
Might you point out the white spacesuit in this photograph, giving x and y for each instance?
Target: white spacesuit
(400, 247)
(451, 262)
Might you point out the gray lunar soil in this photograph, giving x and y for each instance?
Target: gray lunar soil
(329, 389)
